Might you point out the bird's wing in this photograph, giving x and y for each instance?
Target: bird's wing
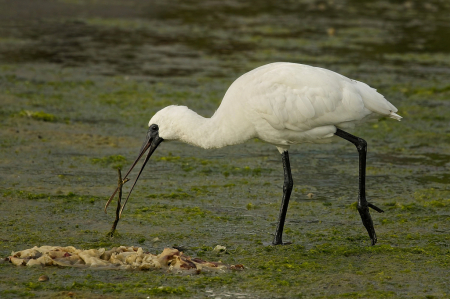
(288, 108)
(303, 100)
(300, 97)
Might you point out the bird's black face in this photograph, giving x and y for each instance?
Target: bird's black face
(151, 142)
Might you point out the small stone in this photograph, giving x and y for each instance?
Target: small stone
(156, 239)
(220, 248)
(70, 294)
(43, 278)
(331, 31)
(310, 195)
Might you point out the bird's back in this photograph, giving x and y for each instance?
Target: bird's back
(297, 97)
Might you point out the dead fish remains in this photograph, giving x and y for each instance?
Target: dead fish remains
(122, 258)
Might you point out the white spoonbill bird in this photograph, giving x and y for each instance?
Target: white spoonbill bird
(282, 104)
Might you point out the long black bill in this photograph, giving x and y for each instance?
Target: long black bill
(151, 143)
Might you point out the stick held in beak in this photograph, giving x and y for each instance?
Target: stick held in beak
(151, 142)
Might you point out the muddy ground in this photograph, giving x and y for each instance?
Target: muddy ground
(79, 80)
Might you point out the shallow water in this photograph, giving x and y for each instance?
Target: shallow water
(98, 70)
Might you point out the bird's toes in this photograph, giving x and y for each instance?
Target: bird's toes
(375, 208)
(374, 240)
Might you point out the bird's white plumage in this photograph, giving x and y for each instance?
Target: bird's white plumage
(280, 103)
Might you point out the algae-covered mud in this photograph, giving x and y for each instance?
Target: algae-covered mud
(79, 80)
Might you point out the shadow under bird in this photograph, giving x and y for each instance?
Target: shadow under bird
(282, 104)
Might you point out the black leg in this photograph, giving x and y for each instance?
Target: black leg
(287, 189)
(363, 205)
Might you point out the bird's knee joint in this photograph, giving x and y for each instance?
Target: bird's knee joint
(362, 207)
(362, 144)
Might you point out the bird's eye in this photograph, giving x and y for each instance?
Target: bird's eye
(154, 127)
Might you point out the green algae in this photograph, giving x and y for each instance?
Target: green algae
(191, 163)
(164, 290)
(114, 161)
(38, 115)
(103, 76)
(172, 195)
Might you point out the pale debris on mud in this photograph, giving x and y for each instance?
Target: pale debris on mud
(116, 258)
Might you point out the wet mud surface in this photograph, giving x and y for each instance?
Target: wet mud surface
(80, 79)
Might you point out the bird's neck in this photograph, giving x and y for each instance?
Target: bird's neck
(218, 131)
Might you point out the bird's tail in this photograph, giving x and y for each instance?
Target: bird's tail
(376, 102)
(395, 116)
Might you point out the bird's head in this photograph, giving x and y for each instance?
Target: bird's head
(168, 121)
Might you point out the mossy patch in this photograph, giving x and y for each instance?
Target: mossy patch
(172, 195)
(206, 167)
(38, 115)
(165, 290)
(114, 161)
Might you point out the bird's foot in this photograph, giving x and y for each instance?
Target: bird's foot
(367, 220)
(276, 243)
(278, 239)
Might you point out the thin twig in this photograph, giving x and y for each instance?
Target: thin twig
(120, 184)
